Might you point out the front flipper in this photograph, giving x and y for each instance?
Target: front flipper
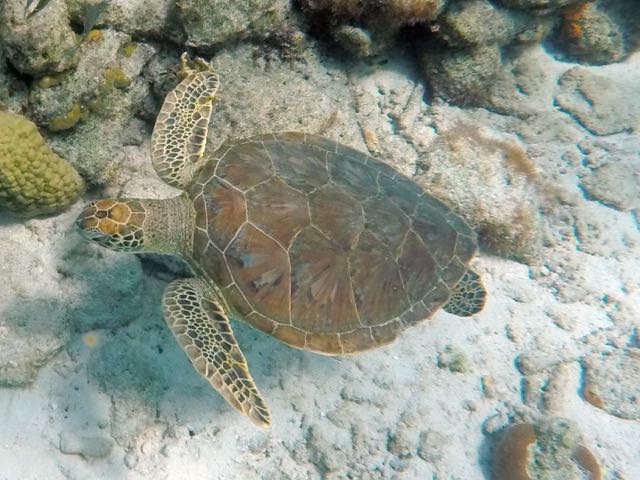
(468, 297)
(202, 329)
(180, 133)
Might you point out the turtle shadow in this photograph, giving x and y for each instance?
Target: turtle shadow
(134, 369)
(8, 219)
(134, 359)
(188, 395)
(111, 338)
(269, 360)
(34, 321)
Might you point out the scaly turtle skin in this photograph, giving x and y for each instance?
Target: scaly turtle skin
(317, 244)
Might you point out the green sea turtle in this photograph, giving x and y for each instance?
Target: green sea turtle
(317, 244)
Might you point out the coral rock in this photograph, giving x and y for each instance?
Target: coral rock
(42, 42)
(587, 34)
(95, 104)
(537, 5)
(616, 184)
(381, 21)
(593, 100)
(490, 180)
(550, 449)
(463, 76)
(212, 22)
(478, 22)
(143, 18)
(612, 383)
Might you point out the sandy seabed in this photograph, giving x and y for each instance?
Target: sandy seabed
(558, 338)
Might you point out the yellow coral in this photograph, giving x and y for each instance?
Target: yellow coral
(114, 76)
(68, 120)
(33, 179)
(94, 36)
(49, 81)
(129, 49)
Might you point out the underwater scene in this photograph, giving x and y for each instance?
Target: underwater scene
(320, 239)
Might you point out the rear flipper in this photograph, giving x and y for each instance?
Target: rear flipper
(468, 297)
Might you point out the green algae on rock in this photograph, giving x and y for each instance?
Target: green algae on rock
(95, 104)
(33, 179)
(115, 77)
(100, 85)
(68, 120)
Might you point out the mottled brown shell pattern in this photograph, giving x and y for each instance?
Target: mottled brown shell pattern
(323, 246)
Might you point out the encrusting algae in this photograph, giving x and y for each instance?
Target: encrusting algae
(69, 120)
(33, 179)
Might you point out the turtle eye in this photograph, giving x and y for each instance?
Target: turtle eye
(87, 224)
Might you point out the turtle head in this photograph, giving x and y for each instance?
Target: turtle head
(115, 224)
(140, 225)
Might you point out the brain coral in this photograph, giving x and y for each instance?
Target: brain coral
(33, 179)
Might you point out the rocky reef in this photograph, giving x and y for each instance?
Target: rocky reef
(468, 49)
(469, 52)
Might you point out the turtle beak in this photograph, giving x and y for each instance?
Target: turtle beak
(80, 223)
